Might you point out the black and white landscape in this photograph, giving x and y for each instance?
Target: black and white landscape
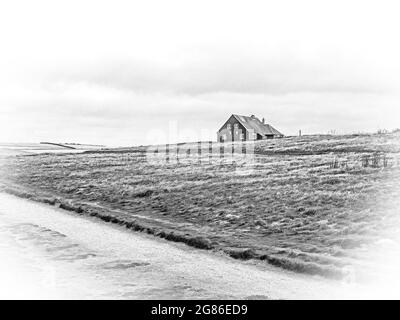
(199, 150)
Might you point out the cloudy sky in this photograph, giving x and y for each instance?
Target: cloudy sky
(126, 73)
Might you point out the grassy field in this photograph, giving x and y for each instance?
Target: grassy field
(310, 204)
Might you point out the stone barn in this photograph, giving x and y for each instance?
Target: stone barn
(243, 128)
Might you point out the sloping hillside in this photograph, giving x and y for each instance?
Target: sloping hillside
(310, 204)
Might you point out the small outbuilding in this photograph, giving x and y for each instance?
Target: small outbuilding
(243, 128)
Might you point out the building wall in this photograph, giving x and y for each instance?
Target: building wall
(251, 135)
(232, 130)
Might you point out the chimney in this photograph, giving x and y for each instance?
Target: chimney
(263, 120)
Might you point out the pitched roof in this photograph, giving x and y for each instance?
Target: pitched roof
(253, 123)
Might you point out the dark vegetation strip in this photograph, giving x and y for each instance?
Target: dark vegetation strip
(58, 144)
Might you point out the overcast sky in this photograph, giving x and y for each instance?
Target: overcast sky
(124, 73)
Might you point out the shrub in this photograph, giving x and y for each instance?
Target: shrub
(376, 160)
(334, 164)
